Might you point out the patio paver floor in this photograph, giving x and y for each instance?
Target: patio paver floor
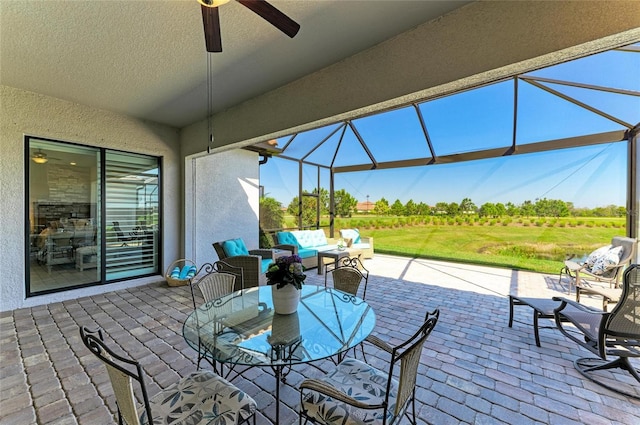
(475, 369)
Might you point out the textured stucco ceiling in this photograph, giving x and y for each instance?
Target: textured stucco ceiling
(147, 59)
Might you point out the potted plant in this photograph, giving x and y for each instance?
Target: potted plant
(286, 277)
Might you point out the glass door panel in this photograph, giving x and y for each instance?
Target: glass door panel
(132, 215)
(63, 216)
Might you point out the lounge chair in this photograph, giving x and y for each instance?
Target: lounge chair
(615, 334)
(254, 263)
(605, 265)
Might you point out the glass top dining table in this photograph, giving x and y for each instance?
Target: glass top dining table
(242, 329)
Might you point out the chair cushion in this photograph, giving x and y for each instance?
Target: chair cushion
(264, 264)
(607, 261)
(358, 380)
(595, 255)
(175, 273)
(187, 272)
(287, 238)
(235, 247)
(353, 234)
(202, 397)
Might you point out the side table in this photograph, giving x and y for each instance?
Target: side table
(333, 256)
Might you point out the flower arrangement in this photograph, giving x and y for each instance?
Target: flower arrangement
(286, 271)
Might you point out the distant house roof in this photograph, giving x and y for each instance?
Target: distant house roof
(365, 206)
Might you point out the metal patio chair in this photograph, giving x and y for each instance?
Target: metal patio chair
(356, 393)
(614, 334)
(199, 395)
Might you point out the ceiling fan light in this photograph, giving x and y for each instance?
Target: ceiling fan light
(39, 159)
(212, 3)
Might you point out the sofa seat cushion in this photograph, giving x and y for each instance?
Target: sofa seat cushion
(326, 248)
(235, 247)
(310, 238)
(361, 245)
(307, 252)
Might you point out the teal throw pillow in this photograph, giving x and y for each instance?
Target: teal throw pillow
(234, 247)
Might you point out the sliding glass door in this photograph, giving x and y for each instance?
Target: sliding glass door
(92, 216)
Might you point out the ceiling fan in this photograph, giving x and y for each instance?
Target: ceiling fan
(39, 157)
(211, 20)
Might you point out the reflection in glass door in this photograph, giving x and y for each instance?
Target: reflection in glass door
(63, 209)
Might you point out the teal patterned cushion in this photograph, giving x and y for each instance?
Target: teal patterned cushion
(358, 380)
(235, 247)
(202, 397)
(287, 238)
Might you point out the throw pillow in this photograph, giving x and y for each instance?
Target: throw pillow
(352, 234)
(596, 255)
(234, 247)
(608, 261)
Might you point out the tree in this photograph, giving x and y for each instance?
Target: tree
(397, 208)
(488, 210)
(467, 206)
(440, 208)
(345, 204)
(423, 209)
(512, 209)
(381, 207)
(453, 209)
(309, 206)
(527, 209)
(410, 208)
(551, 208)
(271, 218)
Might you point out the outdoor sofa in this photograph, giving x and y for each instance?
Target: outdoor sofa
(305, 243)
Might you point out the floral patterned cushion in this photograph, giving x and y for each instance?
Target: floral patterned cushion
(596, 255)
(607, 261)
(200, 398)
(358, 380)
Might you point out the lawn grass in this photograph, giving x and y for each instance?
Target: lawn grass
(536, 244)
(532, 248)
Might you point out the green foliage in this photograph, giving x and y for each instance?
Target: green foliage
(345, 204)
(271, 218)
(381, 207)
(397, 208)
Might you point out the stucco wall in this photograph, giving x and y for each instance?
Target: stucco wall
(26, 113)
(221, 202)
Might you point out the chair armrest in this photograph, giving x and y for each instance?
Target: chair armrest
(379, 343)
(264, 253)
(577, 305)
(324, 388)
(287, 247)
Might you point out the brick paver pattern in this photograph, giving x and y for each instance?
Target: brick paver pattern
(475, 369)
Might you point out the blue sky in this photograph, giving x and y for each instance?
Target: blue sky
(481, 119)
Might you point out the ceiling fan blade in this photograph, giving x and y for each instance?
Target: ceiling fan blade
(211, 21)
(273, 16)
